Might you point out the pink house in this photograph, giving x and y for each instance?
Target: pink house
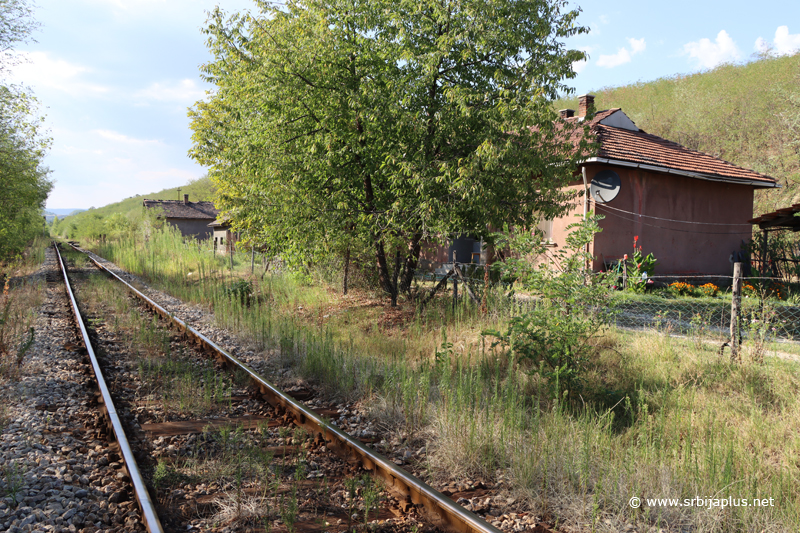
(689, 208)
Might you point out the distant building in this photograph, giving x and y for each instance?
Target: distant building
(224, 239)
(192, 218)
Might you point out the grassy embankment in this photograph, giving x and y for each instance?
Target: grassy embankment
(657, 416)
(22, 295)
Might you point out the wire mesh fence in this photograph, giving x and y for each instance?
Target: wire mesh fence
(706, 306)
(760, 316)
(699, 305)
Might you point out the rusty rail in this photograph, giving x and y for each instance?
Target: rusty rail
(439, 508)
(149, 515)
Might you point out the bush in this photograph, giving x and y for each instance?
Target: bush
(240, 290)
(571, 305)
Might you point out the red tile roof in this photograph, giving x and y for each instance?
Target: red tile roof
(179, 209)
(642, 148)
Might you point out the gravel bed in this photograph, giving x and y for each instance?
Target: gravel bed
(57, 471)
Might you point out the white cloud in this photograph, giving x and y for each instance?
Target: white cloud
(185, 91)
(623, 55)
(783, 44)
(41, 69)
(637, 45)
(708, 55)
(122, 138)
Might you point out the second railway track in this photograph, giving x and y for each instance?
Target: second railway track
(280, 472)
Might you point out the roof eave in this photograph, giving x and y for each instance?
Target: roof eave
(686, 173)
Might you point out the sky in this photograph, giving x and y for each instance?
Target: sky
(115, 77)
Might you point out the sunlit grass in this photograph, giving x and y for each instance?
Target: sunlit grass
(657, 415)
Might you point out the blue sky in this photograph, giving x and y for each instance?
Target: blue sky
(115, 77)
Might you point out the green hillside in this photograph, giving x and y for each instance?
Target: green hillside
(117, 216)
(746, 114)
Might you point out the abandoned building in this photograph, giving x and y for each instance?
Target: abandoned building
(191, 218)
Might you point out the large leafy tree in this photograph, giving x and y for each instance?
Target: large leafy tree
(386, 122)
(24, 184)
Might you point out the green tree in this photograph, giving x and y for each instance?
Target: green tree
(24, 185)
(397, 122)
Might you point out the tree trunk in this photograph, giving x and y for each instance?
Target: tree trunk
(384, 277)
(394, 277)
(346, 270)
(411, 263)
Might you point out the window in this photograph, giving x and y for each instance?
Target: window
(546, 228)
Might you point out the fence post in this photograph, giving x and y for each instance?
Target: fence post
(736, 303)
(252, 260)
(455, 284)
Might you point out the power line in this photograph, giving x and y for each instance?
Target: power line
(696, 232)
(670, 219)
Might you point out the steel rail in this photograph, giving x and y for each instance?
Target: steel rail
(438, 507)
(149, 515)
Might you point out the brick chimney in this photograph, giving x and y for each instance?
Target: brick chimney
(566, 113)
(585, 105)
(186, 199)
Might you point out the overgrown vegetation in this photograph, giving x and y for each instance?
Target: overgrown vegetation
(22, 295)
(656, 416)
(572, 304)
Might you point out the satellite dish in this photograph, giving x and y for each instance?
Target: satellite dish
(605, 186)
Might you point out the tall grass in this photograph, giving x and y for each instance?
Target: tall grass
(21, 297)
(657, 417)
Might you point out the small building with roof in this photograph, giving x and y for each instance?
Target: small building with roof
(224, 238)
(191, 218)
(690, 209)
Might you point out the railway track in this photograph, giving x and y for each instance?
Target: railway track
(117, 431)
(315, 436)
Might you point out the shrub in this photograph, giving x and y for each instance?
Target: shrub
(240, 290)
(571, 305)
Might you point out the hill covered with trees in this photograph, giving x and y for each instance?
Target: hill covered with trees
(746, 114)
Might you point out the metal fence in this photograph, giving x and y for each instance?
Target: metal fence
(700, 305)
(760, 316)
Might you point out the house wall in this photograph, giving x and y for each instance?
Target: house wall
(680, 248)
(192, 227)
(225, 239)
